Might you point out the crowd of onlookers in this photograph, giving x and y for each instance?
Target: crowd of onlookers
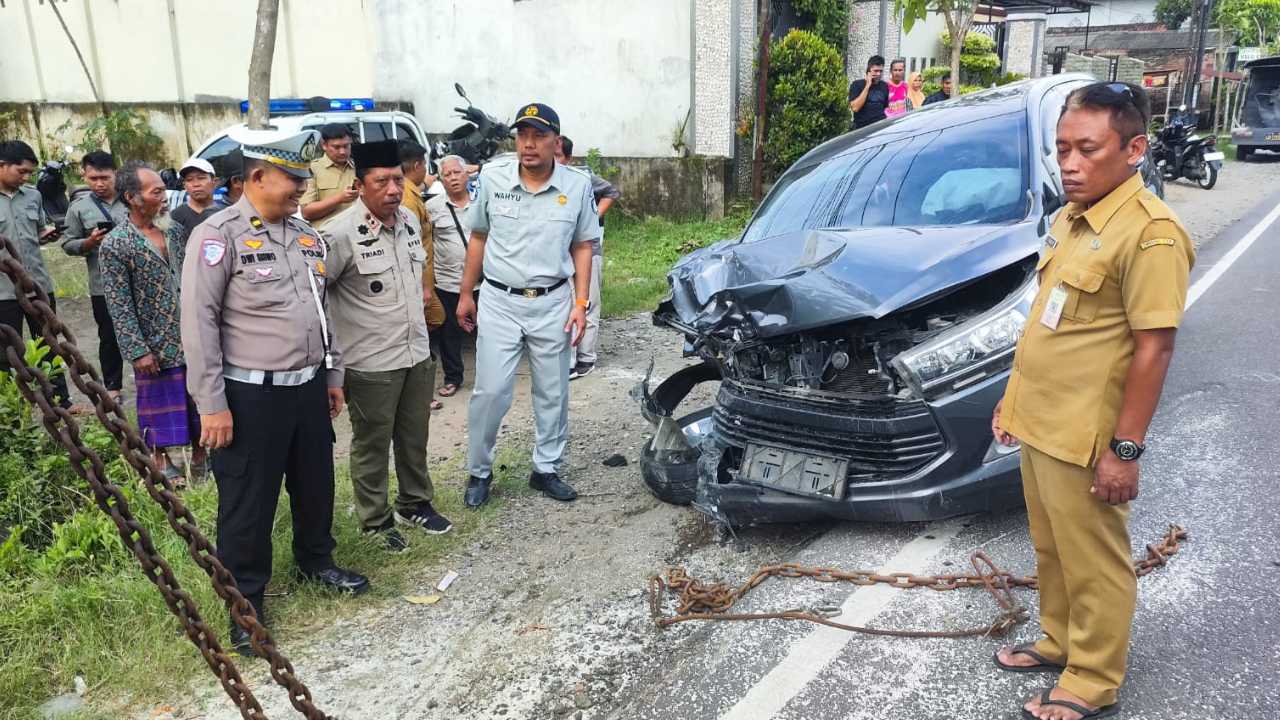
(872, 99)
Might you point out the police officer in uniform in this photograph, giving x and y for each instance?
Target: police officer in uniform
(376, 263)
(264, 370)
(1086, 379)
(533, 228)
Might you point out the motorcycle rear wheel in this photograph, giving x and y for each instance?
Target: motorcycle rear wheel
(1208, 175)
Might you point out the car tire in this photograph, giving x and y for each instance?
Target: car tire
(1243, 152)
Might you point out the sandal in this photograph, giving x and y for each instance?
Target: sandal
(448, 390)
(437, 405)
(176, 477)
(1085, 713)
(1045, 665)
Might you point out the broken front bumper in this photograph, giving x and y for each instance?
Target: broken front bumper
(906, 460)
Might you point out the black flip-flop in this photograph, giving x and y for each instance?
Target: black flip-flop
(1044, 664)
(1085, 713)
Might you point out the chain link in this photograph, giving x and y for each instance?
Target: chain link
(698, 600)
(62, 427)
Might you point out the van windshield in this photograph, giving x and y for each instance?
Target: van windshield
(952, 176)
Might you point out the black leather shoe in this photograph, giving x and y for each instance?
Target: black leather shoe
(477, 491)
(240, 641)
(552, 486)
(335, 578)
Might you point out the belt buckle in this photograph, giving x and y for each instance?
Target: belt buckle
(531, 293)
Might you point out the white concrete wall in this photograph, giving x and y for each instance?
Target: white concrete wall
(618, 72)
(1109, 12)
(922, 42)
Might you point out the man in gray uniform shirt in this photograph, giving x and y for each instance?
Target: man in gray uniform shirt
(91, 216)
(263, 368)
(533, 227)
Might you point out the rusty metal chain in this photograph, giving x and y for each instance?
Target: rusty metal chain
(62, 427)
(698, 600)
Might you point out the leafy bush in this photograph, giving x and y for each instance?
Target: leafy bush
(934, 73)
(828, 18)
(978, 59)
(806, 97)
(127, 133)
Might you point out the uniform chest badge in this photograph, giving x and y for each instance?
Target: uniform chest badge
(256, 223)
(213, 252)
(563, 199)
(1096, 244)
(264, 272)
(362, 229)
(1051, 241)
(307, 242)
(320, 268)
(367, 243)
(253, 244)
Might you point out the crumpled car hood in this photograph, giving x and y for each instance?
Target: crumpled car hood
(797, 281)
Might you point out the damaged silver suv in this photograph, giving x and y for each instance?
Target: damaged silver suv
(862, 327)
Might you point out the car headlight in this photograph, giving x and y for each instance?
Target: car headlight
(969, 352)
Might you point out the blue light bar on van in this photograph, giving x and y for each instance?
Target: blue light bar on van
(298, 106)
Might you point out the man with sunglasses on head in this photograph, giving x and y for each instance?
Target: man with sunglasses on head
(1086, 379)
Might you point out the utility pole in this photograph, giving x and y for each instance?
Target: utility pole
(762, 103)
(1195, 62)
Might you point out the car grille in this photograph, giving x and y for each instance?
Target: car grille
(880, 440)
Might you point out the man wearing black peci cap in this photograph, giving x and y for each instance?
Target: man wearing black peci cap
(375, 267)
(533, 228)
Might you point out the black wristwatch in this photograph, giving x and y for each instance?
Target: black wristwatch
(1127, 450)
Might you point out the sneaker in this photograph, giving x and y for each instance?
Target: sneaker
(392, 540)
(425, 517)
(582, 369)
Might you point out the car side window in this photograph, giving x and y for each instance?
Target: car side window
(220, 147)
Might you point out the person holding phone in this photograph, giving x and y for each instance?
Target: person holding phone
(24, 223)
(333, 186)
(91, 216)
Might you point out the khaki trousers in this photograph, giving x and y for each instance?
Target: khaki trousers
(1088, 588)
(384, 407)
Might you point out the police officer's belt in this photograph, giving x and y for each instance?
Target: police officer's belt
(527, 292)
(277, 378)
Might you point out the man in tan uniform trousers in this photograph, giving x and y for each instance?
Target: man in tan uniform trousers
(1086, 380)
(264, 370)
(375, 266)
(332, 188)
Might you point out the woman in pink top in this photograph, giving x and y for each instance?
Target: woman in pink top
(897, 89)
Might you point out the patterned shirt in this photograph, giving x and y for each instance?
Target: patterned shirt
(141, 290)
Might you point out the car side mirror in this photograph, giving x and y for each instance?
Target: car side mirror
(1051, 200)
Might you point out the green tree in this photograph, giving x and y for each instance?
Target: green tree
(806, 97)
(828, 18)
(958, 15)
(1172, 13)
(1251, 19)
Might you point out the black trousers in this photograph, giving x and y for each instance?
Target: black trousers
(276, 432)
(446, 343)
(109, 360)
(11, 314)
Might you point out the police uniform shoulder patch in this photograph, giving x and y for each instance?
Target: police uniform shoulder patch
(1154, 242)
(213, 250)
(255, 222)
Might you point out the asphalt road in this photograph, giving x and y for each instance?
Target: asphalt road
(1206, 641)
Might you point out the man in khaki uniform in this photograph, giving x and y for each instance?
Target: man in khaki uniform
(413, 162)
(333, 177)
(263, 369)
(375, 267)
(1086, 380)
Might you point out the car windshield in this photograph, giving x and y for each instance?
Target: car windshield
(951, 176)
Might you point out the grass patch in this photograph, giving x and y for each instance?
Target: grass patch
(70, 273)
(640, 251)
(113, 627)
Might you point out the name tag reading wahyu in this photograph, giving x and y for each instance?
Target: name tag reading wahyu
(1052, 314)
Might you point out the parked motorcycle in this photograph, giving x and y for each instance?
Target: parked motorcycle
(476, 140)
(53, 192)
(1180, 153)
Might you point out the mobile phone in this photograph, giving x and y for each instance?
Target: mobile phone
(106, 226)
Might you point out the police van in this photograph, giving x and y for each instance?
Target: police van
(366, 122)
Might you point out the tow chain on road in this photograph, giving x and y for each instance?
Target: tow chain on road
(699, 600)
(62, 427)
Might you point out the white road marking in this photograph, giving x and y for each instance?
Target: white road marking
(807, 656)
(1207, 280)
